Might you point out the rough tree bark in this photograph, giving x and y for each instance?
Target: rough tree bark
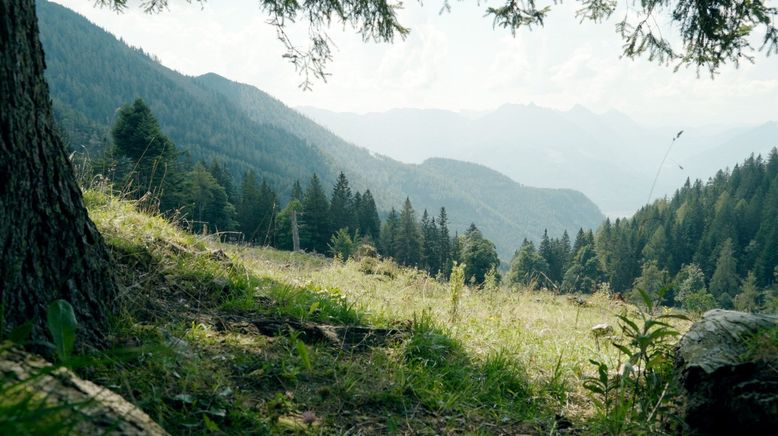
(49, 248)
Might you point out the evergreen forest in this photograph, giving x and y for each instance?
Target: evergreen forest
(712, 244)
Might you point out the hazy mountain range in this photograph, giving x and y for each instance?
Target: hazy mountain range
(610, 157)
(91, 73)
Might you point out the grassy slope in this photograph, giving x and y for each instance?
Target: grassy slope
(510, 363)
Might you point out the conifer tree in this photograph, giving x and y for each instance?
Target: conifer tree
(546, 250)
(205, 202)
(408, 242)
(430, 244)
(563, 255)
(444, 244)
(297, 191)
(224, 179)
(248, 216)
(724, 283)
(389, 233)
(456, 249)
(315, 217)
(766, 237)
(356, 209)
(584, 272)
(267, 209)
(580, 241)
(342, 215)
(150, 155)
(369, 222)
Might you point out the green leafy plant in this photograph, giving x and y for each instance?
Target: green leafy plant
(62, 325)
(640, 396)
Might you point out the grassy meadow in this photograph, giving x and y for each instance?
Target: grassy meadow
(191, 352)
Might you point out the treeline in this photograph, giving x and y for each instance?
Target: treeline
(712, 244)
(144, 163)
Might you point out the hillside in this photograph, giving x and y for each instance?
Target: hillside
(608, 156)
(234, 334)
(726, 227)
(91, 74)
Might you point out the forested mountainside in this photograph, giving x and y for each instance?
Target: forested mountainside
(714, 244)
(470, 192)
(91, 74)
(608, 156)
(728, 226)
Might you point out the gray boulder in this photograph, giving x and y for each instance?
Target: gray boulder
(730, 377)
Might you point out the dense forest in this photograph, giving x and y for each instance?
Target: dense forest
(711, 244)
(91, 74)
(145, 164)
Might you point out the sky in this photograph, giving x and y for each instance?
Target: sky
(455, 61)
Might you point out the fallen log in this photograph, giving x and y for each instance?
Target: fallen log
(77, 404)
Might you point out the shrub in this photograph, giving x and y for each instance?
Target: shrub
(641, 396)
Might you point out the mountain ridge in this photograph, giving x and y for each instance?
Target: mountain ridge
(91, 73)
(609, 156)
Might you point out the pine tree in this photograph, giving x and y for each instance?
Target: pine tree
(342, 214)
(584, 272)
(356, 209)
(247, 213)
(430, 244)
(546, 250)
(656, 248)
(766, 237)
(444, 244)
(724, 283)
(408, 243)
(206, 202)
(297, 191)
(315, 217)
(369, 223)
(456, 248)
(389, 234)
(150, 164)
(266, 211)
(224, 179)
(563, 255)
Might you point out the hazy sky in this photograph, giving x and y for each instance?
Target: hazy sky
(451, 61)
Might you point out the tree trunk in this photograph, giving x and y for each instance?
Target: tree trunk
(295, 233)
(49, 247)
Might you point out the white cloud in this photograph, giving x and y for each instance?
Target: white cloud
(453, 61)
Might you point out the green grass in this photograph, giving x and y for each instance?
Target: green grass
(512, 361)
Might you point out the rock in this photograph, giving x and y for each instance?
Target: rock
(601, 330)
(98, 409)
(728, 389)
